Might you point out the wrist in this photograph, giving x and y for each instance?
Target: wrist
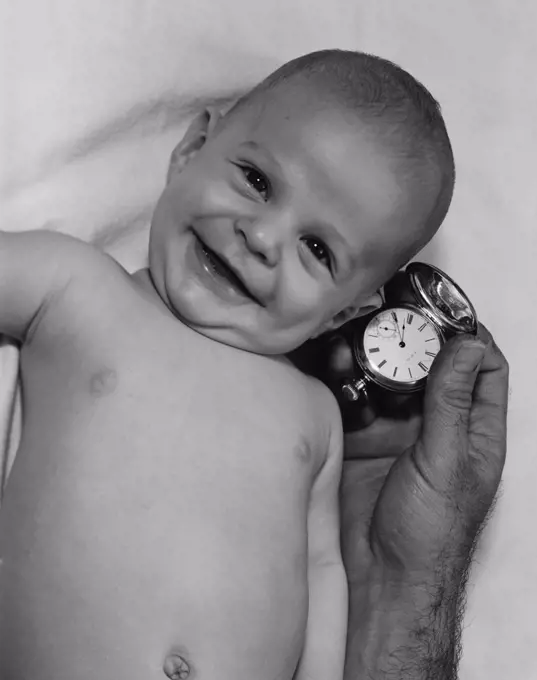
(404, 626)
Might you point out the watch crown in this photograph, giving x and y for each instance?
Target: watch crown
(353, 390)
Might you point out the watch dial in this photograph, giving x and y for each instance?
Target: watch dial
(401, 344)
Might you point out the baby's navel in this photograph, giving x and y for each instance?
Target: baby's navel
(103, 382)
(176, 668)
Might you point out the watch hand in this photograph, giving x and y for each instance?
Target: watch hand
(394, 316)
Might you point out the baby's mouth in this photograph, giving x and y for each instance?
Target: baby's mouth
(221, 268)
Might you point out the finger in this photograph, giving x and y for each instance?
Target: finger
(484, 334)
(447, 406)
(399, 406)
(357, 415)
(487, 426)
(383, 438)
(491, 392)
(360, 486)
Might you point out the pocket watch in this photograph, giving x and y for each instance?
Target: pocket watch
(395, 346)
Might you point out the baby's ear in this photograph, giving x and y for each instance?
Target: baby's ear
(353, 311)
(199, 130)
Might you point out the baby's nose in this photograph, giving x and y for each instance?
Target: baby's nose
(262, 239)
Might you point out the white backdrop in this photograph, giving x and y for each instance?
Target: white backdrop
(95, 93)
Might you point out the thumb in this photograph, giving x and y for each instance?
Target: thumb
(448, 403)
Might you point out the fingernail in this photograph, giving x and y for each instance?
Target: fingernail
(469, 356)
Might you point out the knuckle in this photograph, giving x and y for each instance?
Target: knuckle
(504, 363)
(456, 397)
(486, 336)
(483, 332)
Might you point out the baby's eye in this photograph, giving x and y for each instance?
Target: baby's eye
(257, 180)
(319, 250)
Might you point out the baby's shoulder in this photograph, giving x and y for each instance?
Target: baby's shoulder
(322, 399)
(72, 273)
(56, 259)
(74, 259)
(324, 425)
(328, 413)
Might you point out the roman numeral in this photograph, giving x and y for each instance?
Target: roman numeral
(430, 354)
(422, 366)
(409, 319)
(382, 363)
(374, 349)
(423, 325)
(395, 371)
(410, 373)
(429, 339)
(394, 317)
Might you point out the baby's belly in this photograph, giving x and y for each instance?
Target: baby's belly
(110, 564)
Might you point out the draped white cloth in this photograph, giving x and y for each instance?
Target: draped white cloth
(94, 94)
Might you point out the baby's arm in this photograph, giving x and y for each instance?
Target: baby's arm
(34, 267)
(326, 633)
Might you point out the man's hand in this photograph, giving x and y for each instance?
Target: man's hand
(431, 495)
(418, 484)
(439, 491)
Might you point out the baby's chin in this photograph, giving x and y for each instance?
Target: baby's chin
(244, 337)
(245, 341)
(237, 327)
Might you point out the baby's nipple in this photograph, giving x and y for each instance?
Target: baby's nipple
(176, 668)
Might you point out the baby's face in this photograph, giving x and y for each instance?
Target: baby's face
(276, 227)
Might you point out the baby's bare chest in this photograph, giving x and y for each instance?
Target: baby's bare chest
(163, 480)
(160, 430)
(206, 415)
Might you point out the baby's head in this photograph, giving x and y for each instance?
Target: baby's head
(282, 219)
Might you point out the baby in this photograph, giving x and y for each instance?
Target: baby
(173, 507)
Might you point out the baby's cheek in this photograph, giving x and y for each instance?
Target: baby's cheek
(302, 302)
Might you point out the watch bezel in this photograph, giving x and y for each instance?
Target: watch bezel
(417, 269)
(367, 368)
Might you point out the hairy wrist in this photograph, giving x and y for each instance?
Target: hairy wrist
(405, 626)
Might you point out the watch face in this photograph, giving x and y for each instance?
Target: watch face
(399, 346)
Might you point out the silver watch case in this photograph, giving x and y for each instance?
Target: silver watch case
(368, 369)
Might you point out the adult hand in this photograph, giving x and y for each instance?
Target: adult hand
(410, 519)
(420, 471)
(429, 498)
